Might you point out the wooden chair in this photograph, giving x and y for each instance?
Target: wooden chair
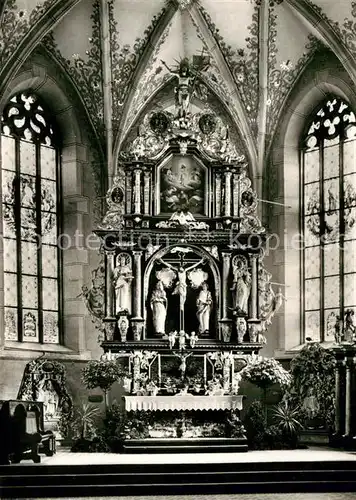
(22, 428)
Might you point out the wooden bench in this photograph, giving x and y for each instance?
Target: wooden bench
(21, 428)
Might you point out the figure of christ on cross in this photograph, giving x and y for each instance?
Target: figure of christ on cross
(181, 285)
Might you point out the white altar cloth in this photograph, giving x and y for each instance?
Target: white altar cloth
(183, 402)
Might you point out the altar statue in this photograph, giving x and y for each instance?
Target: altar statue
(47, 394)
(204, 305)
(181, 285)
(193, 339)
(184, 88)
(349, 331)
(241, 288)
(158, 304)
(122, 282)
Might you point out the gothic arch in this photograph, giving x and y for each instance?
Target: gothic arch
(77, 187)
(283, 166)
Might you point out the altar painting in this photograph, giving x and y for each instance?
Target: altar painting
(182, 183)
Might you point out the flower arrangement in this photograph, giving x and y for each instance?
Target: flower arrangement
(264, 372)
(101, 374)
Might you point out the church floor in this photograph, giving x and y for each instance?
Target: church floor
(266, 496)
(66, 457)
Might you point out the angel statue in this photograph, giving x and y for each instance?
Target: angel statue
(275, 305)
(181, 339)
(204, 305)
(158, 304)
(193, 339)
(171, 337)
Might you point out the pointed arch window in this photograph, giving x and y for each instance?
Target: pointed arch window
(31, 188)
(328, 209)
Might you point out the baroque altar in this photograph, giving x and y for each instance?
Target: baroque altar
(186, 296)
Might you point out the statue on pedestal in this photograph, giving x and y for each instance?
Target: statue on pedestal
(204, 305)
(158, 304)
(122, 282)
(241, 287)
(241, 328)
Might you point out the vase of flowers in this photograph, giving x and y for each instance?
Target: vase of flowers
(265, 372)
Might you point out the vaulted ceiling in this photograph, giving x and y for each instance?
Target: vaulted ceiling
(112, 52)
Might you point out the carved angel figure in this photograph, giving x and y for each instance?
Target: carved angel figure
(171, 337)
(193, 339)
(181, 339)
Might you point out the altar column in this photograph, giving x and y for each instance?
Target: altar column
(253, 260)
(146, 192)
(137, 191)
(349, 364)
(137, 302)
(225, 277)
(110, 302)
(339, 364)
(236, 195)
(227, 212)
(217, 194)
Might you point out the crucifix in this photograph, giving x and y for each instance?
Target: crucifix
(181, 285)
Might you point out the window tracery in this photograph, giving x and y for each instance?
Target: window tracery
(30, 204)
(328, 208)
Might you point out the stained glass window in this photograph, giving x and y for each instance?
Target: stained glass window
(30, 192)
(328, 218)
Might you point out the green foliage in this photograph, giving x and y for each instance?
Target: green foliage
(287, 419)
(255, 423)
(283, 434)
(313, 384)
(102, 373)
(265, 372)
(80, 423)
(113, 429)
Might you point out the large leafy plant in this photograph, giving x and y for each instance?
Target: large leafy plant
(102, 374)
(313, 384)
(265, 372)
(287, 418)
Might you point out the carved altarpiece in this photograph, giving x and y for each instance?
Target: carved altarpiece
(185, 282)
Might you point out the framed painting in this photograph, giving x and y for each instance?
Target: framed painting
(182, 185)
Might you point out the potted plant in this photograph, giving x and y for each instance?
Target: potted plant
(103, 374)
(288, 422)
(313, 385)
(265, 372)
